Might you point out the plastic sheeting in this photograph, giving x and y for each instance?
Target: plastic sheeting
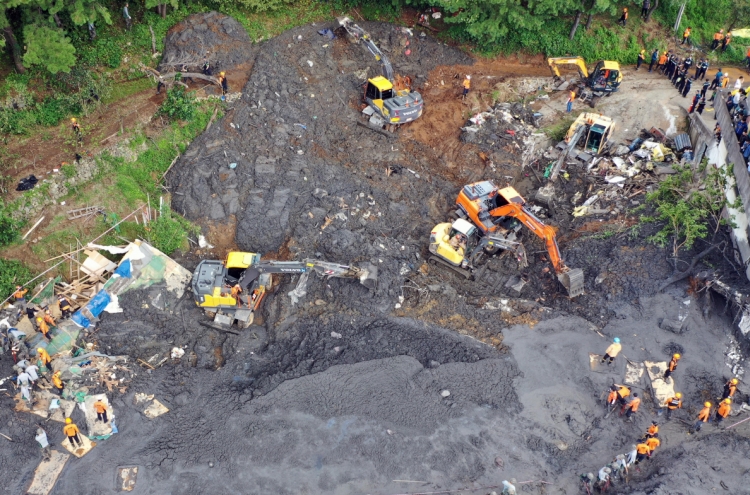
(47, 293)
(92, 310)
(65, 338)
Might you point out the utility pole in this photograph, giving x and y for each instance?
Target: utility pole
(679, 17)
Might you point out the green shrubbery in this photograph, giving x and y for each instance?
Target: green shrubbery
(9, 229)
(179, 104)
(12, 273)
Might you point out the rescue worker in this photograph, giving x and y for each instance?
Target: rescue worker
(43, 357)
(48, 318)
(57, 383)
(686, 36)
(43, 327)
(671, 366)
(624, 17)
(653, 430)
(101, 411)
(717, 79)
(643, 451)
(206, 68)
(725, 42)
(20, 294)
(725, 80)
(603, 478)
(41, 438)
(632, 455)
(729, 389)
(701, 105)
(23, 380)
(694, 103)
(662, 63)
(236, 291)
(641, 59)
(65, 307)
(654, 58)
(75, 126)
(652, 443)
(673, 403)
(571, 99)
(611, 397)
(622, 392)
(706, 84)
(71, 431)
(467, 85)
(718, 37)
(126, 16)
(703, 416)
(224, 83)
(612, 351)
(31, 370)
(645, 8)
(725, 407)
(688, 84)
(632, 407)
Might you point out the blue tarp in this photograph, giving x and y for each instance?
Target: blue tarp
(95, 307)
(80, 320)
(124, 270)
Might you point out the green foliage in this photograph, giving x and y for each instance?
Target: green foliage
(179, 104)
(8, 229)
(168, 233)
(13, 273)
(68, 170)
(556, 132)
(48, 48)
(689, 203)
(253, 5)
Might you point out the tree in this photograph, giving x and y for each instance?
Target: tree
(161, 6)
(49, 48)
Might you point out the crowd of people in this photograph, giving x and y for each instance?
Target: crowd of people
(629, 403)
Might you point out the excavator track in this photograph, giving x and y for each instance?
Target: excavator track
(436, 260)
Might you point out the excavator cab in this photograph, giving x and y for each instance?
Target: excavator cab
(606, 77)
(476, 200)
(598, 133)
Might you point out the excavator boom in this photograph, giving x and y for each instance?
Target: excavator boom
(360, 34)
(555, 62)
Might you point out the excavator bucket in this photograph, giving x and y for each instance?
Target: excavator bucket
(368, 275)
(573, 281)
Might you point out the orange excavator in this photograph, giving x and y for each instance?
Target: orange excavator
(497, 212)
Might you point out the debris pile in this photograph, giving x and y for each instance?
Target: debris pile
(504, 134)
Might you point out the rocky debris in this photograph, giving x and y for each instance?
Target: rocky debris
(213, 36)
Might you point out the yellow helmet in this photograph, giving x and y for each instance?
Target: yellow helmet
(676, 356)
(707, 404)
(222, 73)
(727, 400)
(38, 318)
(73, 119)
(68, 420)
(735, 381)
(678, 395)
(40, 349)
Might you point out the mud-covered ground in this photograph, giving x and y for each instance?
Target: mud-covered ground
(427, 383)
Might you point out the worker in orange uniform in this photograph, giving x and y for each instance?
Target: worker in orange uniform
(718, 37)
(703, 416)
(57, 383)
(730, 388)
(653, 430)
(224, 83)
(236, 291)
(725, 42)
(686, 36)
(612, 351)
(671, 366)
(569, 103)
(622, 392)
(624, 17)
(101, 411)
(48, 318)
(43, 357)
(725, 407)
(652, 443)
(466, 85)
(20, 294)
(43, 327)
(673, 403)
(643, 451)
(71, 431)
(611, 398)
(632, 407)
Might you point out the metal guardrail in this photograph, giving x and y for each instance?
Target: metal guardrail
(734, 155)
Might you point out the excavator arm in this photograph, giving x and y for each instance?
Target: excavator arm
(367, 276)
(555, 62)
(360, 34)
(571, 279)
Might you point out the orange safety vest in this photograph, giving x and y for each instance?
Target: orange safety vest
(674, 403)
(724, 409)
(634, 404)
(718, 36)
(49, 320)
(467, 83)
(652, 443)
(704, 414)
(20, 293)
(653, 430)
(100, 407)
(624, 392)
(662, 60)
(732, 388)
(43, 327)
(642, 448)
(625, 14)
(44, 356)
(56, 380)
(611, 397)
(686, 33)
(70, 430)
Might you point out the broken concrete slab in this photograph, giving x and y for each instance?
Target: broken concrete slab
(673, 326)
(46, 474)
(85, 448)
(126, 478)
(662, 390)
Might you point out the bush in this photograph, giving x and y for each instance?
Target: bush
(8, 229)
(179, 104)
(12, 273)
(168, 233)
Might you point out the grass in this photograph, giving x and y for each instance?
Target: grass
(556, 132)
(124, 89)
(265, 25)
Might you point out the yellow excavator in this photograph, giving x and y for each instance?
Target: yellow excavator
(388, 96)
(603, 80)
(234, 289)
(596, 133)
